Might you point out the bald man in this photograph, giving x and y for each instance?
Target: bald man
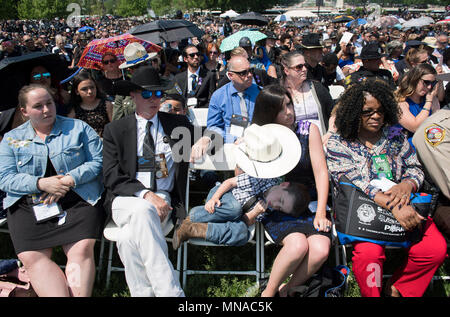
(231, 106)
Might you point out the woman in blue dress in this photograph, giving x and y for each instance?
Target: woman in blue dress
(305, 240)
(417, 97)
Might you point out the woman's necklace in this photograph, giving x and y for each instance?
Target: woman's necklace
(92, 106)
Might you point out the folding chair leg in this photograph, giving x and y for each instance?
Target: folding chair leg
(178, 270)
(100, 258)
(185, 251)
(108, 272)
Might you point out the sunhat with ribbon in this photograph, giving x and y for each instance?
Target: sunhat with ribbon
(268, 151)
(134, 54)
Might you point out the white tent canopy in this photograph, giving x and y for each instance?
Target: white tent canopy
(301, 14)
(229, 13)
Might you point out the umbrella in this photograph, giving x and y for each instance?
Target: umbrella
(282, 18)
(85, 28)
(251, 18)
(15, 72)
(418, 23)
(342, 18)
(232, 41)
(93, 52)
(385, 21)
(160, 31)
(301, 14)
(302, 23)
(443, 21)
(356, 22)
(229, 13)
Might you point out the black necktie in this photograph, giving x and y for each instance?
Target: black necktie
(148, 151)
(149, 144)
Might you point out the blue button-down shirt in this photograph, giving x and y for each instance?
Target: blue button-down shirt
(224, 103)
(73, 147)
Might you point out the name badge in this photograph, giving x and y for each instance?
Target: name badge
(238, 125)
(43, 212)
(382, 166)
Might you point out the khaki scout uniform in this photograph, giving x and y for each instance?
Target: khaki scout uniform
(432, 142)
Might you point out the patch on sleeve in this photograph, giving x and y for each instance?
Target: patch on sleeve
(434, 134)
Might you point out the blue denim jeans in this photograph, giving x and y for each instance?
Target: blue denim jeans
(225, 225)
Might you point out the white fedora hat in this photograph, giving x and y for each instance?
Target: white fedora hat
(268, 151)
(134, 54)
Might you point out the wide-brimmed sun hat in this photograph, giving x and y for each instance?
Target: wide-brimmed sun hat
(268, 151)
(134, 54)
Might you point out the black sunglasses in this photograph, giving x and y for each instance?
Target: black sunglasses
(242, 73)
(109, 61)
(430, 82)
(192, 55)
(370, 112)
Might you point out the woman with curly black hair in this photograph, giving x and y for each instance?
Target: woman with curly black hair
(365, 136)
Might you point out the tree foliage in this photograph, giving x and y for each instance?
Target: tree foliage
(39, 9)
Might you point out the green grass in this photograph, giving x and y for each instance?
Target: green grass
(220, 258)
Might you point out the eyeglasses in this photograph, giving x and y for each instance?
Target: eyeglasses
(370, 112)
(242, 73)
(109, 61)
(192, 55)
(146, 94)
(298, 67)
(431, 83)
(41, 75)
(214, 52)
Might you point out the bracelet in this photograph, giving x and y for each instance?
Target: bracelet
(413, 183)
(429, 110)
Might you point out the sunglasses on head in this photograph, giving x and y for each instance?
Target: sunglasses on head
(298, 67)
(109, 61)
(192, 55)
(242, 73)
(41, 75)
(148, 94)
(430, 82)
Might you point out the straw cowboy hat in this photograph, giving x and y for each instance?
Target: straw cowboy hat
(268, 151)
(134, 54)
(144, 78)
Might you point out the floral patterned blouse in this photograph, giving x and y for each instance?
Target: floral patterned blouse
(354, 160)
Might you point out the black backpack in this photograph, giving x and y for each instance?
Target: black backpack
(328, 282)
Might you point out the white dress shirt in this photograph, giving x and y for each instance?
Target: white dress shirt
(163, 184)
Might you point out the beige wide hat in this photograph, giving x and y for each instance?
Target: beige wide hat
(134, 54)
(430, 41)
(268, 151)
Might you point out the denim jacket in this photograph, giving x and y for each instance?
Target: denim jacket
(73, 147)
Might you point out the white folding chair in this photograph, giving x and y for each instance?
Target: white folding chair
(221, 161)
(336, 91)
(198, 116)
(111, 232)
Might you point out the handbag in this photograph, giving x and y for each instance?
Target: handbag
(359, 218)
(328, 282)
(14, 280)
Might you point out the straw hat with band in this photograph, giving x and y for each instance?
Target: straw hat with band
(144, 78)
(134, 54)
(268, 151)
